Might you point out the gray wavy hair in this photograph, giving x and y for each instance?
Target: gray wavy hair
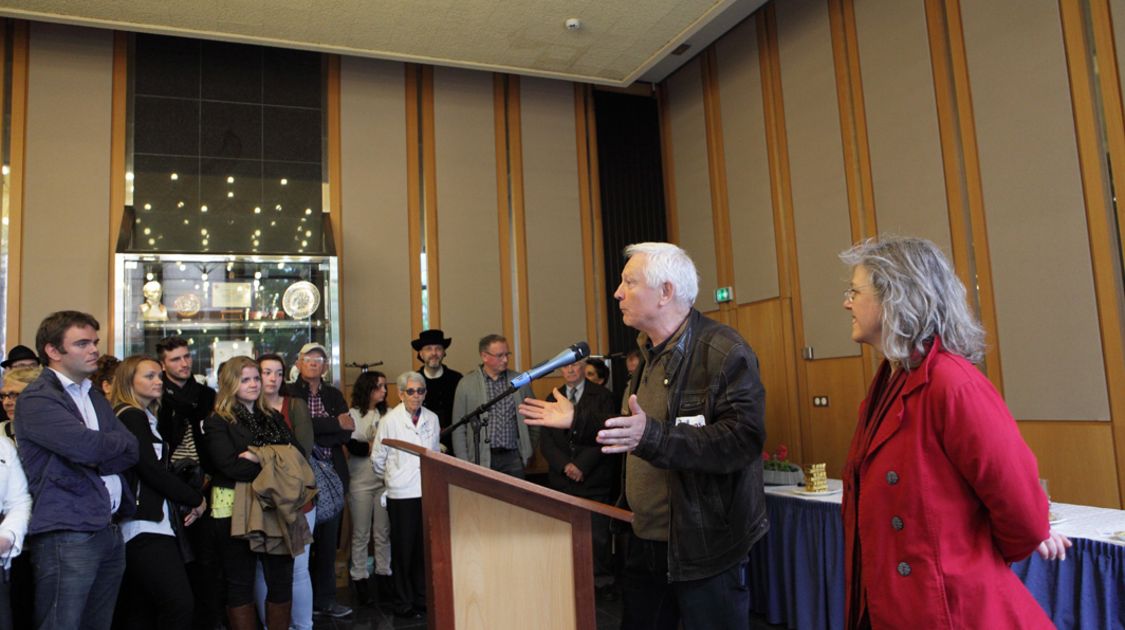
(921, 297)
(666, 262)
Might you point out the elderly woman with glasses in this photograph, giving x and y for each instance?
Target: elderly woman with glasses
(940, 490)
(410, 422)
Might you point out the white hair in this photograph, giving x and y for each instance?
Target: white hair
(665, 262)
(406, 378)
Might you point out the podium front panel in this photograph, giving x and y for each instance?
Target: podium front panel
(510, 564)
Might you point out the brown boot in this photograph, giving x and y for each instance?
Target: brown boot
(277, 615)
(242, 617)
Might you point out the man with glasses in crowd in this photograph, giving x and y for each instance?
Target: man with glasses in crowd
(505, 442)
(332, 428)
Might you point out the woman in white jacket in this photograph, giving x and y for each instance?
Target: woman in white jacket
(15, 503)
(402, 476)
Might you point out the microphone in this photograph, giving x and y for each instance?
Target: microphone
(574, 353)
(613, 356)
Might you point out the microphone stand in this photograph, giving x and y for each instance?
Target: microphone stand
(479, 419)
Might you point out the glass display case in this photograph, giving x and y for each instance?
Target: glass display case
(227, 305)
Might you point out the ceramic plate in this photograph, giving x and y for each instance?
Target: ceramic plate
(301, 300)
(187, 304)
(806, 493)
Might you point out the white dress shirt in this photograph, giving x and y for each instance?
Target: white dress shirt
(80, 393)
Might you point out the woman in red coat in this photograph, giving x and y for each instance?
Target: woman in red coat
(940, 491)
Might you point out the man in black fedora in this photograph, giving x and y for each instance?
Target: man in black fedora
(441, 381)
(20, 356)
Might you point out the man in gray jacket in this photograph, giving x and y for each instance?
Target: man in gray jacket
(505, 443)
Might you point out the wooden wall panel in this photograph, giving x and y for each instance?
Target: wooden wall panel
(1077, 460)
(747, 165)
(843, 382)
(466, 196)
(690, 174)
(902, 126)
(66, 203)
(555, 277)
(760, 323)
(820, 199)
(1046, 312)
(373, 191)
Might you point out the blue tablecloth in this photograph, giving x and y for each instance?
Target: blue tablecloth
(797, 573)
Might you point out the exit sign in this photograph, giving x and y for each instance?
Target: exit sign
(724, 294)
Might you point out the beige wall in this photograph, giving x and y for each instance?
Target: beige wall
(66, 204)
(902, 125)
(816, 161)
(1045, 303)
(1049, 336)
(753, 235)
(556, 283)
(688, 143)
(858, 92)
(468, 223)
(375, 268)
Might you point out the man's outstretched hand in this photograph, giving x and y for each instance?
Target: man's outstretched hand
(541, 413)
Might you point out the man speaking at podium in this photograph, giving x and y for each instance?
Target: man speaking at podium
(694, 436)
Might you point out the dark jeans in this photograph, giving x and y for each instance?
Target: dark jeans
(22, 585)
(507, 461)
(603, 549)
(205, 572)
(408, 553)
(239, 565)
(650, 602)
(322, 562)
(155, 592)
(6, 622)
(77, 576)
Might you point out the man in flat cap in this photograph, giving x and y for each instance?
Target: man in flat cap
(441, 381)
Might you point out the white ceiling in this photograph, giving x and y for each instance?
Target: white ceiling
(620, 41)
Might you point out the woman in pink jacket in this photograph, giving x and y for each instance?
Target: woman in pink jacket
(940, 491)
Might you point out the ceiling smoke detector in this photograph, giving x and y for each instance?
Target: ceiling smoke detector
(573, 24)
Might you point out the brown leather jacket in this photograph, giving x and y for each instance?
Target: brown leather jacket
(718, 508)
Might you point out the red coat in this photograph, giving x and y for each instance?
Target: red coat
(949, 496)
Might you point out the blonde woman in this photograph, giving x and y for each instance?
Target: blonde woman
(242, 420)
(155, 592)
(15, 381)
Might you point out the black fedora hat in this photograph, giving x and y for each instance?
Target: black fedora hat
(19, 353)
(431, 337)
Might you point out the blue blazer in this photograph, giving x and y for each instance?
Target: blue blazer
(64, 461)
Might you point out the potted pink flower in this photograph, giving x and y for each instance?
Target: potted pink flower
(778, 471)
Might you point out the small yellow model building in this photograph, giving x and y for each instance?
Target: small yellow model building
(816, 480)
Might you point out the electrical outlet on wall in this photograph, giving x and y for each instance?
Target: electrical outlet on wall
(819, 401)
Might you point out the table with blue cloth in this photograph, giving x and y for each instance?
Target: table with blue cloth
(797, 570)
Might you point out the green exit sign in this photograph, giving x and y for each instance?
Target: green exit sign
(724, 294)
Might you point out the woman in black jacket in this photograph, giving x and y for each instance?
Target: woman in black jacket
(155, 592)
(242, 420)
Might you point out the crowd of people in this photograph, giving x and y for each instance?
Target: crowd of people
(133, 494)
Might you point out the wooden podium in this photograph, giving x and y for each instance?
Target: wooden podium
(502, 552)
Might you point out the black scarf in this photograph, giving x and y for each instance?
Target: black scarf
(266, 429)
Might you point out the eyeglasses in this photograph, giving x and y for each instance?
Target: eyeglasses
(421, 391)
(7, 395)
(849, 294)
(313, 359)
(499, 355)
